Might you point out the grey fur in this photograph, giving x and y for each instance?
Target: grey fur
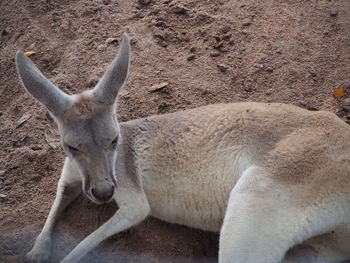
(36, 84)
(112, 81)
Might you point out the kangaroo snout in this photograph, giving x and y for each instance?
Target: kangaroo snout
(103, 193)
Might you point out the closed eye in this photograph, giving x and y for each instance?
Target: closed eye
(73, 149)
(114, 141)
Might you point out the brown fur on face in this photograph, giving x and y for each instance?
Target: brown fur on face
(85, 108)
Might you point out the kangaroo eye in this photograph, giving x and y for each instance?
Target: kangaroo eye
(72, 149)
(115, 140)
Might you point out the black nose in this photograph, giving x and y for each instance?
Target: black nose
(103, 194)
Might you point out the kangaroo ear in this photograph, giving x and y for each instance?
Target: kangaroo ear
(36, 84)
(112, 81)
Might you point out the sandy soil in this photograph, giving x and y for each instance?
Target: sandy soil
(209, 51)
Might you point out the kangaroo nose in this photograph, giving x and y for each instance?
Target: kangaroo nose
(103, 194)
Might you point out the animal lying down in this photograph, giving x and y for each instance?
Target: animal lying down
(273, 179)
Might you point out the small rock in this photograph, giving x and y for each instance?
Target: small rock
(92, 81)
(248, 89)
(3, 196)
(314, 76)
(231, 42)
(217, 38)
(333, 12)
(226, 37)
(111, 40)
(346, 108)
(268, 92)
(144, 2)
(106, 2)
(191, 57)
(302, 103)
(160, 24)
(163, 106)
(311, 108)
(4, 32)
(36, 148)
(219, 45)
(245, 32)
(269, 69)
(193, 49)
(180, 10)
(347, 101)
(32, 46)
(101, 47)
(2, 173)
(225, 29)
(158, 87)
(223, 67)
(247, 22)
(160, 36)
(215, 54)
(133, 41)
(164, 43)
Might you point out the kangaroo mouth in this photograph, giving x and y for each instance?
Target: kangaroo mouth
(97, 201)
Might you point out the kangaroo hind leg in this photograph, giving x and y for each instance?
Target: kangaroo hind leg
(332, 247)
(262, 221)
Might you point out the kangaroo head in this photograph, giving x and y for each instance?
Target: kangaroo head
(87, 123)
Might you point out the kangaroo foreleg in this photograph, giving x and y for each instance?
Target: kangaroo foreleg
(69, 187)
(132, 210)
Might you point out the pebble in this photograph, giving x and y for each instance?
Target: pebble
(111, 40)
(269, 69)
(3, 196)
(225, 29)
(163, 106)
(181, 10)
(215, 54)
(92, 81)
(191, 57)
(36, 148)
(158, 87)
(247, 22)
(333, 12)
(106, 2)
(4, 32)
(346, 108)
(144, 2)
(223, 67)
(101, 47)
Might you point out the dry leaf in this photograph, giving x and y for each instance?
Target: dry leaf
(111, 40)
(339, 92)
(23, 119)
(29, 53)
(158, 87)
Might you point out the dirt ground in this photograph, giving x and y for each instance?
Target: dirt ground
(208, 51)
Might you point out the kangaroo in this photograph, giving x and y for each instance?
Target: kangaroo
(273, 178)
